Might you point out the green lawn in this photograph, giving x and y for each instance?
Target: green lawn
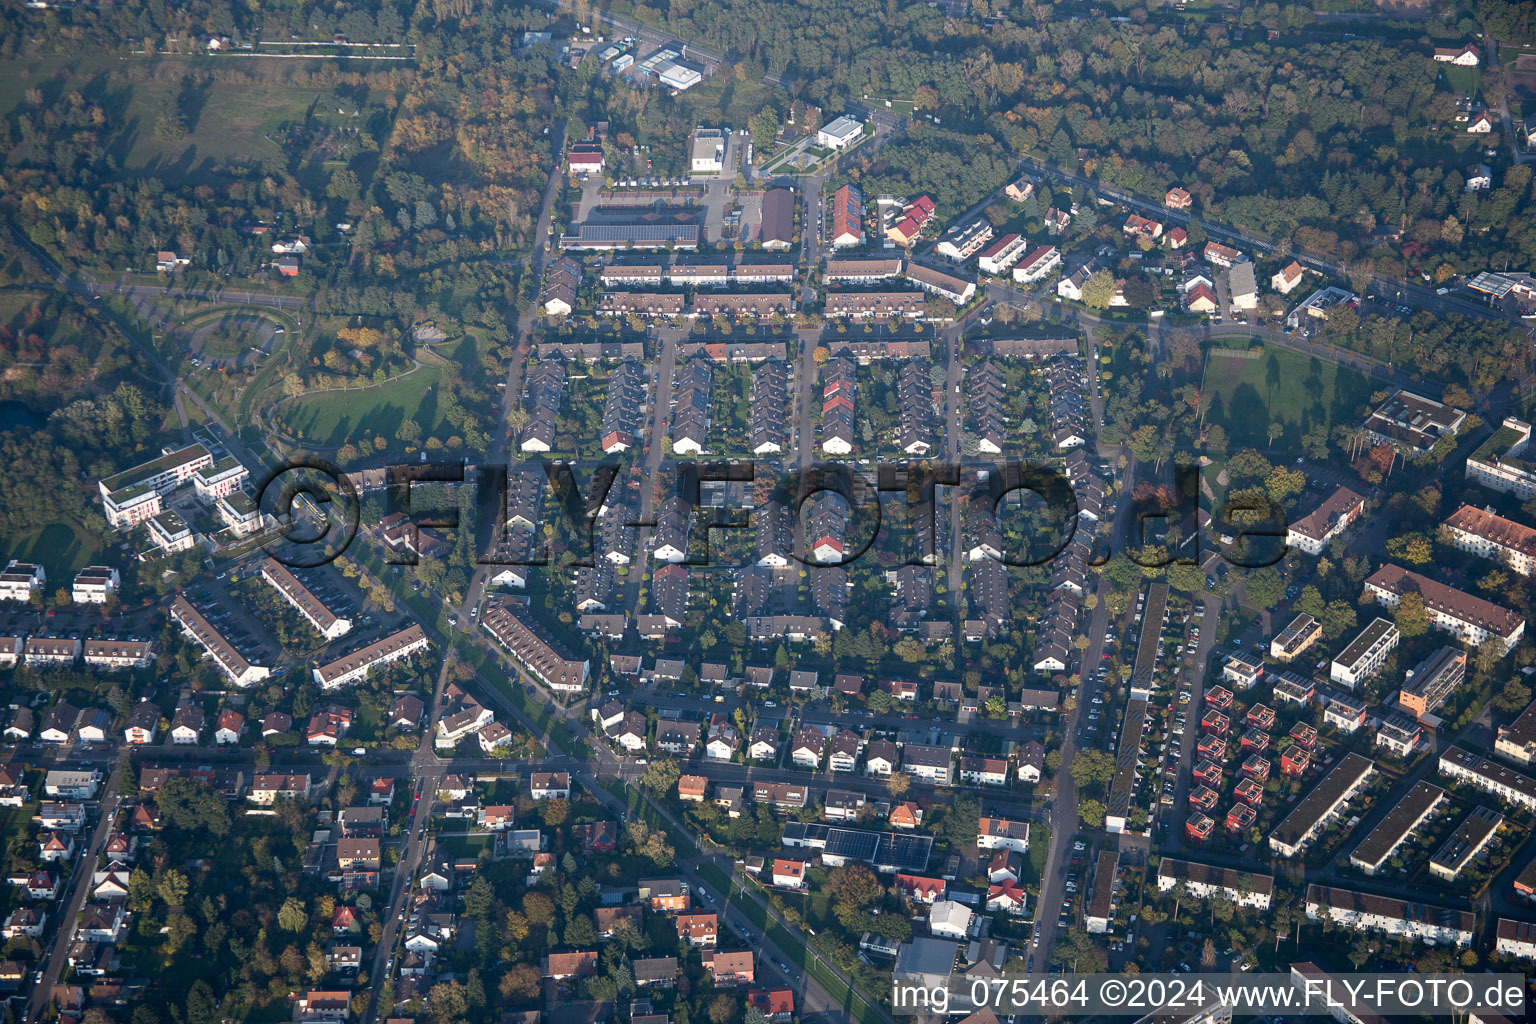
(1465, 81)
(329, 419)
(225, 121)
(62, 549)
(1295, 389)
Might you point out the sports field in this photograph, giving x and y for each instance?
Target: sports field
(1281, 384)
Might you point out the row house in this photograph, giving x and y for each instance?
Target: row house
(621, 303)
(693, 386)
(914, 398)
(621, 409)
(987, 407)
(541, 655)
(543, 392)
(760, 305)
(1367, 912)
(839, 393)
(882, 305)
(769, 427)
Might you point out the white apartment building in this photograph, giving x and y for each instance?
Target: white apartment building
(95, 584)
(170, 532)
(356, 666)
(1366, 912)
(1480, 773)
(1470, 618)
(326, 623)
(1482, 533)
(133, 496)
(1500, 464)
(201, 632)
(219, 480)
(21, 580)
(1365, 654)
(1204, 880)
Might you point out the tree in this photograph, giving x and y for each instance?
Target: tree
(448, 1002)
(1264, 587)
(478, 899)
(520, 983)
(538, 908)
(1091, 813)
(554, 811)
(172, 888)
(1411, 618)
(1092, 770)
(1099, 290)
(722, 1010)
(899, 783)
(661, 776)
(292, 917)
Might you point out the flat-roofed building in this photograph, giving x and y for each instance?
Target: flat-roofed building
(1312, 532)
(1480, 773)
(1399, 734)
(170, 532)
(223, 477)
(133, 496)
(1301, 633)
(1431, 681)
(708, 153)
(1122, 786)
(1491, 536)
(1367, 912)
(1242, 670)
(1319, 807)
(1402, 823)
(1500, 462)
(1344, 713)
(1365, 654)
(200, 631)
(239, 513)
(1469, 839)
(354, 667)
(21, 580)
(95, 584)
(1407, 420)
(1203, 880)
(1470, 618)
(326, 622)
(840, 133)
